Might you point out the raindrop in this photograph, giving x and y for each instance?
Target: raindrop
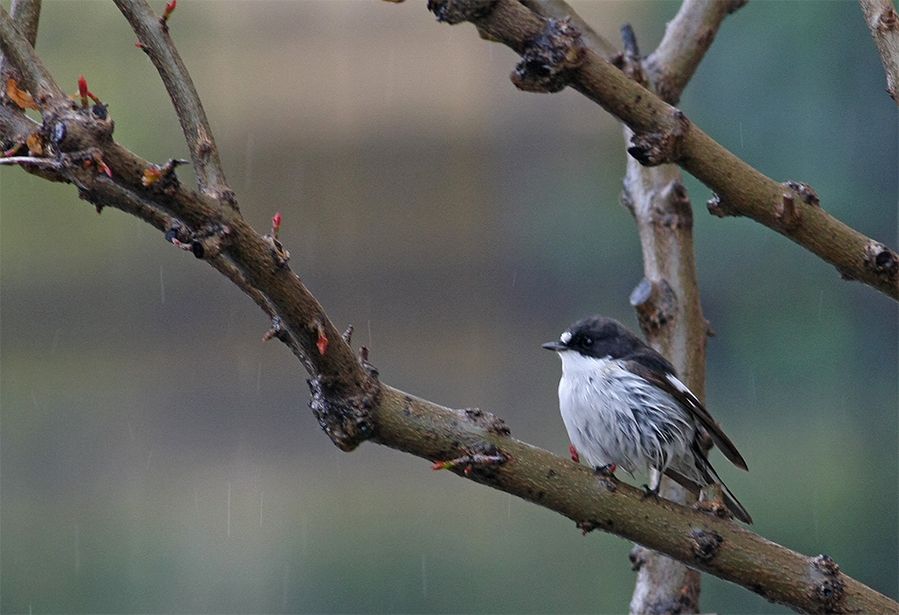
(261, 500)
(229, 509)
(55, 344)
(77, 548)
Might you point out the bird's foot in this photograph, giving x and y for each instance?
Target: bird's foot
(651, 491)
(608, 470)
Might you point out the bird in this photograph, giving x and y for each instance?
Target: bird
(624, 407)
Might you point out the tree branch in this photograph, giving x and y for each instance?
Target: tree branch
(19, 53)
(687, 37)
(153, 34)
(883, 22)
(668, 300)
(559, 9)
(352, 406)
(554, 57)
(25, 14)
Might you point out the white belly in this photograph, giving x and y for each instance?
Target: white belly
(613, 416)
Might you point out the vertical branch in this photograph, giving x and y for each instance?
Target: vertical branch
(153, 35)
(883, 22)
(667, 300)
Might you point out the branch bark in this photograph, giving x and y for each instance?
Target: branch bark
(667, 300)
(554, 56)
(353, 406)
(155, 41)
(559, 9)
(883, 22)
(687, 37)
(25, 14)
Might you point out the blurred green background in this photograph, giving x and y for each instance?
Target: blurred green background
(157, 457)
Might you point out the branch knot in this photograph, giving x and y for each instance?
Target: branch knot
(346, 419)
(548, 61)
(881, 260)
(829, 586)
(457, 11)
(719, 207)
(705, 544)
(655, 303)
(654, 148)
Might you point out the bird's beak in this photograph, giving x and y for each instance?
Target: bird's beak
(556, 346)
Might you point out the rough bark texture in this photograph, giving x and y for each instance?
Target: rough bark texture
(348, 399)
(883, 22)
(554, 55)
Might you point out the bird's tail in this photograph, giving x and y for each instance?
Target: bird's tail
(710, 476)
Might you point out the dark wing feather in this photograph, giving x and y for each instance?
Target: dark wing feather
(646, 366)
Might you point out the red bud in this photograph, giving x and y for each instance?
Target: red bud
(276, 224)
(322, 343)
(169, 8)
(82, 90)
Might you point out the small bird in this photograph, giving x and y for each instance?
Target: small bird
(623, 406)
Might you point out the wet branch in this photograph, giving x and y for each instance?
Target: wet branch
(559, 9)
(353, 406)
(687, 37)
(25, 14)
(153, 36)
(554, 57)
(883, 22)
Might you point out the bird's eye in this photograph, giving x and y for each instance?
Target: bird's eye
(587, 340)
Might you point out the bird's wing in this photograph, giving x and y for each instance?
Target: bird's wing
(669, 383)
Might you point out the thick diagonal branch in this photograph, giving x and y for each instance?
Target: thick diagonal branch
(665, 135)
(154, 38)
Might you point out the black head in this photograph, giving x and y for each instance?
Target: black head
(598, 337)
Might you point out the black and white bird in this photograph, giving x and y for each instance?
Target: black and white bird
(623, 406)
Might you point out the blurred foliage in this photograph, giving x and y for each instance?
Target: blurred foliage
(156, 457)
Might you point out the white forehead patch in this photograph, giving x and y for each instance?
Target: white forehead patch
(566, 337)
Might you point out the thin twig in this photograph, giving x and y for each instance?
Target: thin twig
(18, 52)
(157, 43)
(667, 135)
(47, 162)
(686, 39)
(883, 22)
(559, 9)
